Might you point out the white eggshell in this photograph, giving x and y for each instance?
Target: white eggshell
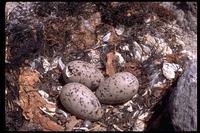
(81, 101)
(84, 73)
(117, 89)
(169, 70)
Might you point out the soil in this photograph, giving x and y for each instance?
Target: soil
(41, 31)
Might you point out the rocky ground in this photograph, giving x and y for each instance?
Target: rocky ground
(155, 41)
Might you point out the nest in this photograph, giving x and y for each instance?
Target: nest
(51, 29)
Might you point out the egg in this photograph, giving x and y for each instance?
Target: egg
(81, 101)
(84, 73)
(117, 89)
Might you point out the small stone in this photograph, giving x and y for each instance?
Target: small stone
(169, 70)
(119, 30)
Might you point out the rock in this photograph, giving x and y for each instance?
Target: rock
(186, 18)
(186, 13)
(169, 70)
(183, 100)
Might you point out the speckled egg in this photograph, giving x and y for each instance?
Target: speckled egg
(117, 89)
(84, 73)
(81, 101)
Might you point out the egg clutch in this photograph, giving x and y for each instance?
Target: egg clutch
(87, 89)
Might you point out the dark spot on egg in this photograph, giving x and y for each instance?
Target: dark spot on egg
(83, 93)
(64, 99)
(75, 90)
(79, 73)
(69, 100)
(102, 94)
(123, 78)
(93, 103)
(90, 112)
(85, 66)
(99, 81)
(96, 112)
(81, 101)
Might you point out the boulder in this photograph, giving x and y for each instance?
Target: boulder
(183, 100)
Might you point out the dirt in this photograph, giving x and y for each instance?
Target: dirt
(41, 31)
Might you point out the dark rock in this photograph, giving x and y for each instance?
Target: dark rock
(183, 100)
(186, 13)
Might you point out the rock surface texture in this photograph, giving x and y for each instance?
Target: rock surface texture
(183, 100)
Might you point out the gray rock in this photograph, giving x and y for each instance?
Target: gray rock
(186, 13)
(183, 100)
(179, 15)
